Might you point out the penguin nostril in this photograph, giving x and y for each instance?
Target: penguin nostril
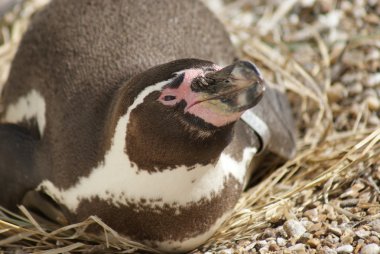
(202, 83)
(169, 98)
(226, 100)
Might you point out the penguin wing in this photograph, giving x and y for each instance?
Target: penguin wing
(19, 176)
(272, 120)
(17, 169)
(44, 209)
(274, 125)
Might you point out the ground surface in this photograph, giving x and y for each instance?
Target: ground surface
(326, 56)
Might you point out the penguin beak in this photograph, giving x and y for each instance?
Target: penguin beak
(232, 89)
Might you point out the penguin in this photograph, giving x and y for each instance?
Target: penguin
(136, 112)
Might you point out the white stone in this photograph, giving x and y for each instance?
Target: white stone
(299, 247)
(332, 19)
(281, 241)
(376, 225)
(371, 248)
(362, 233)
(345, 249)
(294, 228)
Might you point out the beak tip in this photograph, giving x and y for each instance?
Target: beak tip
(252, 67)
(246, 70)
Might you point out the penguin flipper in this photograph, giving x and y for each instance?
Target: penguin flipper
(44, 209)
(17, 169)
(273, 122)
(19, 176)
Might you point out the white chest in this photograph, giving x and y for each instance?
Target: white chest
(119, 181)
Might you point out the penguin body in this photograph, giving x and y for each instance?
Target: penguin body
(121, 119)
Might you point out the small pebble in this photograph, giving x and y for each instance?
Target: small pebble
(362, 233)
(328, 250)
(373, 210)
(327, 242)
(304, 238)
(312, 214)
(262, 243)
(273, 215)
(355, 89)
(307, 3)
(332, 239)
(244, 243)
(249, 246)
(345, 249)
(373, 103)
(346, 239)
(374, 120)
(335, 231)
(373, 80)
(370, 249)
(342, 219)
(273, 247)
(320, 233)
(307, 224)
(374, 238)
(269, 233)
(281, 241)
(280, 232)
(337, 92)
(227, 251)
(294, 228)
(375, 225)
(314, 242)
(264, 249)
(298, 248)
(316, 227)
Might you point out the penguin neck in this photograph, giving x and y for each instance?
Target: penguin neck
(152, 144)
(166, 150)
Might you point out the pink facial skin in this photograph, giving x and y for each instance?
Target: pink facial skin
(197, 104)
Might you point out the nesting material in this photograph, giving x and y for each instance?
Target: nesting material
(326, 56)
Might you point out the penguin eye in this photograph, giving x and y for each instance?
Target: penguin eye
(169, 98)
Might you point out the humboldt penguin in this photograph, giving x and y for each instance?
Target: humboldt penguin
(139, 113)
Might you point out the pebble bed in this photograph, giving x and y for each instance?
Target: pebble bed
(325, 54)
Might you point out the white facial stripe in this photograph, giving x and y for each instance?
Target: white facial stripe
(119, 175)
(26, 108)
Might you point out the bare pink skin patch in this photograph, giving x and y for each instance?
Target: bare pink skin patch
(197, 104)
(211, 115)
(183, 92)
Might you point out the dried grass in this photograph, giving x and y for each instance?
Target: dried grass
(325, 55)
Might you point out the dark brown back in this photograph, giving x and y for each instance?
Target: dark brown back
(78, 53)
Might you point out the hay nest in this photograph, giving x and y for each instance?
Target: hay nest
(326, 56)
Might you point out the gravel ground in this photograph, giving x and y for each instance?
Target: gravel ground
(332, 49)
(326, 55)
(349, 222)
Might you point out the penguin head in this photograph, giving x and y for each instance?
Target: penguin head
(183, 111)
(216, 96)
